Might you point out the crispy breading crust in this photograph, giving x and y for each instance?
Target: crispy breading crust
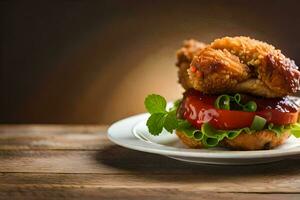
(220, 70)
(261, 140)
(238, 64)
(185, 56)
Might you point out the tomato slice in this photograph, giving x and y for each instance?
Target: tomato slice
(198, 109)
(279, 118)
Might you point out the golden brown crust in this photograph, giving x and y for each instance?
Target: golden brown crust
(280, 74)
(233, 64)
(276, 71)
(260, 140)
(219, 70)
(185, 55)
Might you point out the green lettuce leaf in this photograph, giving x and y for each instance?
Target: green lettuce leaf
(210, 137)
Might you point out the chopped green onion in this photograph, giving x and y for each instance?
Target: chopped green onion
(233, 134)
(237, 98)
(258, 123)
(227, 102)
(210, 142)
(198, 135)
(223, 102)
(251, 106)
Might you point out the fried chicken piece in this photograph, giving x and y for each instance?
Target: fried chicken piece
(219, 70)
(241, 64)
(185, 55)
(270, 66)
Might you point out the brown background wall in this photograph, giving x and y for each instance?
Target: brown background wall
(94, 61)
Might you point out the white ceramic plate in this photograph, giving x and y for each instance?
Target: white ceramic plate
(133, 133)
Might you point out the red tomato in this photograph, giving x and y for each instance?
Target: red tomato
(198, 109)
(279, 118)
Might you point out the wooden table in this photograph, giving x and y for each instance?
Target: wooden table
(79, 162)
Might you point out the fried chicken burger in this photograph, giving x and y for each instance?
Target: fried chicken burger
(237, 95)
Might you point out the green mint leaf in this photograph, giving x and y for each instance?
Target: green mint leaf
(156, 122)
(171, 122)
(155, 104)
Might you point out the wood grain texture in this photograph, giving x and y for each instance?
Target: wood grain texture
(79, 162)
(22, 137)
(189, 182)
(134, 194)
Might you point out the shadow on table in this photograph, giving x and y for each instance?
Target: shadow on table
(145, 163)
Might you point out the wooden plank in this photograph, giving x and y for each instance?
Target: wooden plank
(51, 137)
(46, 128)
(112, 159)
(189, 182)
(134, 194)
(62, 162)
